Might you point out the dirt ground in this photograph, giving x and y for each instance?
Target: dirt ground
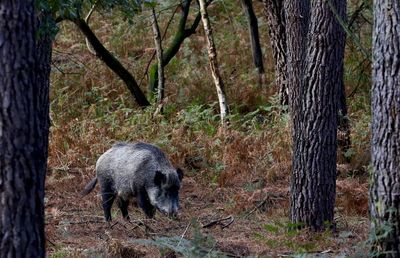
(253, 220)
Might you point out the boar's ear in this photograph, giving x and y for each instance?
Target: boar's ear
(180, 173)
(159, 178)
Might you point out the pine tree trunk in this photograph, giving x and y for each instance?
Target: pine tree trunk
(315, 95)
(297, 13)
(22, 154)
(385, 187)
(275, 15)
(212, 54)
(256, 51)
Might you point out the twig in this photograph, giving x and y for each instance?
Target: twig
(51, 242)
(219, 222)
(184, 233)
(256, 208)
(111, 226)
(162, 39)
(81, 222)
(141, 223)
(228, 224)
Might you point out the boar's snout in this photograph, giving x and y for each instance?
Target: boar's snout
(170, 210)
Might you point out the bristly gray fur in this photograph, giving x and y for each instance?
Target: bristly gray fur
(129, 170)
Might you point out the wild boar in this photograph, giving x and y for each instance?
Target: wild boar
(138, 170)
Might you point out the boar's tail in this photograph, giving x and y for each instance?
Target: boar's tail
(89, 187)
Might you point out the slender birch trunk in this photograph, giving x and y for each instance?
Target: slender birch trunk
(212, 55)
(159, 50)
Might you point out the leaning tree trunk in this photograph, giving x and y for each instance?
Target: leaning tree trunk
(159, 50)
(275, 15)
(112, 62)
(212, 54)
(315, 110)
(256, 51)
(22, 157)
(385, 187)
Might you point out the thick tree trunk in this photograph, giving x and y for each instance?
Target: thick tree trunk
(159, 51)
(43, 69)
(43, 55)
(256, 51)
(275, 15)
(385, 188)
(212, 55)
(314, 95)
(297, 14)
(22, 157)
(112, 63)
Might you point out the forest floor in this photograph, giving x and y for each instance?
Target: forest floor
(254, 222)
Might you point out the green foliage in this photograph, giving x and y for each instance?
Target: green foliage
(382, 232)
(65, 8)
(73, 9)
(59, 253)
(278, 234)
(200, 246)
(200, 118)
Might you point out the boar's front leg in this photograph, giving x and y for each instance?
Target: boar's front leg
(144, 203)
(123, 206)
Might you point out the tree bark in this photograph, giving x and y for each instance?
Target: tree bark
(159, 50)
(385, 187)
(314, 92)
(256, 51)
(22, 156)
(212, 55)
(297, 14)
(275, 15)
(112, 63)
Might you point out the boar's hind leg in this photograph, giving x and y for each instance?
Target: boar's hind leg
(144, 203)
(123, 206)
(108, 197)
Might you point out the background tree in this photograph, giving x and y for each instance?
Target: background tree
(180, 35)
(23, 131)
(275, 16)
(385, 188)
(316, 49)
(159, 51)
(256, 51)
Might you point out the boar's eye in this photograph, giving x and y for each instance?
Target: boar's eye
(174, 189)
(159, 178)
